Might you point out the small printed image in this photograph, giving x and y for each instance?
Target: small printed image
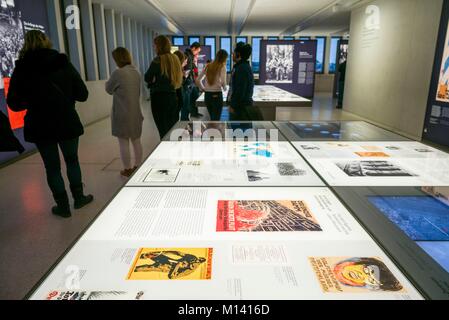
(255, 149)
(287, 169)
(372, 154)
(172, 264)
(310, 147)
(372, 169)
(94, 295)
(423, 150)
(256, 176)
(393, 148)
(162, 175)
(354, 275)
(190, 163)
(265, 216)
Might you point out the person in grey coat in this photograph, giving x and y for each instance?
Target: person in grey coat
(127, 118)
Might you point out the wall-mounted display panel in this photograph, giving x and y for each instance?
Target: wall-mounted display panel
(335, 131)
(225, 164)
(16, 18)
(289, 65)
(412, 222)
(437, 118)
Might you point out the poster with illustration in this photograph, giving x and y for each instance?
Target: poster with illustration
(93, 295)
(354, 275)
(172, 264)
(443, 82)
(265, 216)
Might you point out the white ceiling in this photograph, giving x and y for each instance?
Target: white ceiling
(245, 17)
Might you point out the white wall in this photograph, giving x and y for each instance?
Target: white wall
(98, 106)
(389, 70)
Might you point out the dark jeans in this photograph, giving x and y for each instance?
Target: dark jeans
(214, 103)
(341, 92)
(185, 109)
(248, 113)
(193, 98)
(50, 155)
(163, 106)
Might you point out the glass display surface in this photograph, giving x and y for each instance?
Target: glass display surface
(438, 251)
(424, 219)
(200, 243)
(225, 163)
(335, 131)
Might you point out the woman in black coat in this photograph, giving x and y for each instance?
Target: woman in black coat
(47, 85)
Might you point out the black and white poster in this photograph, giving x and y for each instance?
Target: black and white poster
(289, 65)
(279, 68)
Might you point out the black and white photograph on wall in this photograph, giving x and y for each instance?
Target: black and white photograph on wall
(280, 63)
(11, 36)
(372, 169)
(344, 46)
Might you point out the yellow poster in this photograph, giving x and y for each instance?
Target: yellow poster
(354, 275)
(172, 264)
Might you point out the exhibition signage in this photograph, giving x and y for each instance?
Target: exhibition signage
(289, 65)
(16, 18)
(436, 127)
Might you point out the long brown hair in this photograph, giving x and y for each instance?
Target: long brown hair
(170, 64)
(215, 67)
(122, 57)
(34, 40)
(182, 57)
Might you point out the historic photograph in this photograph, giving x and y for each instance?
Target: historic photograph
(280, 63)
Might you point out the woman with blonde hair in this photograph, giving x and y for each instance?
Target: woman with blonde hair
(127, 118)
(213, 82)
(164, 77)
(46, 85)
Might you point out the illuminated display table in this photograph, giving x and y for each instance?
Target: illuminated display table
(194, 243)
(209, 217)
(225, 164)
(268, 98)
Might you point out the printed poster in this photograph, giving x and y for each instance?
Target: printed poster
(443, 82)
(354, 275)
(93, 295)
(172, 264)
(265, 216)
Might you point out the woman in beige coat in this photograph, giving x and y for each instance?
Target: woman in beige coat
(127, 118)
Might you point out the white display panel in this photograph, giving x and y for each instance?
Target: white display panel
(360, 150)
(225, 164)
(377, 163)
(268, 94)
(226, 214)
(153, 270)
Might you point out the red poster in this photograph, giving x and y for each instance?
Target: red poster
(265, 216)
(15, 118)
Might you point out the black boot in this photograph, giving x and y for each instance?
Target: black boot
(80, 199)
(62, 207)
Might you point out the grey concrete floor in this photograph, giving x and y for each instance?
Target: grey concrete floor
(32, 239)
